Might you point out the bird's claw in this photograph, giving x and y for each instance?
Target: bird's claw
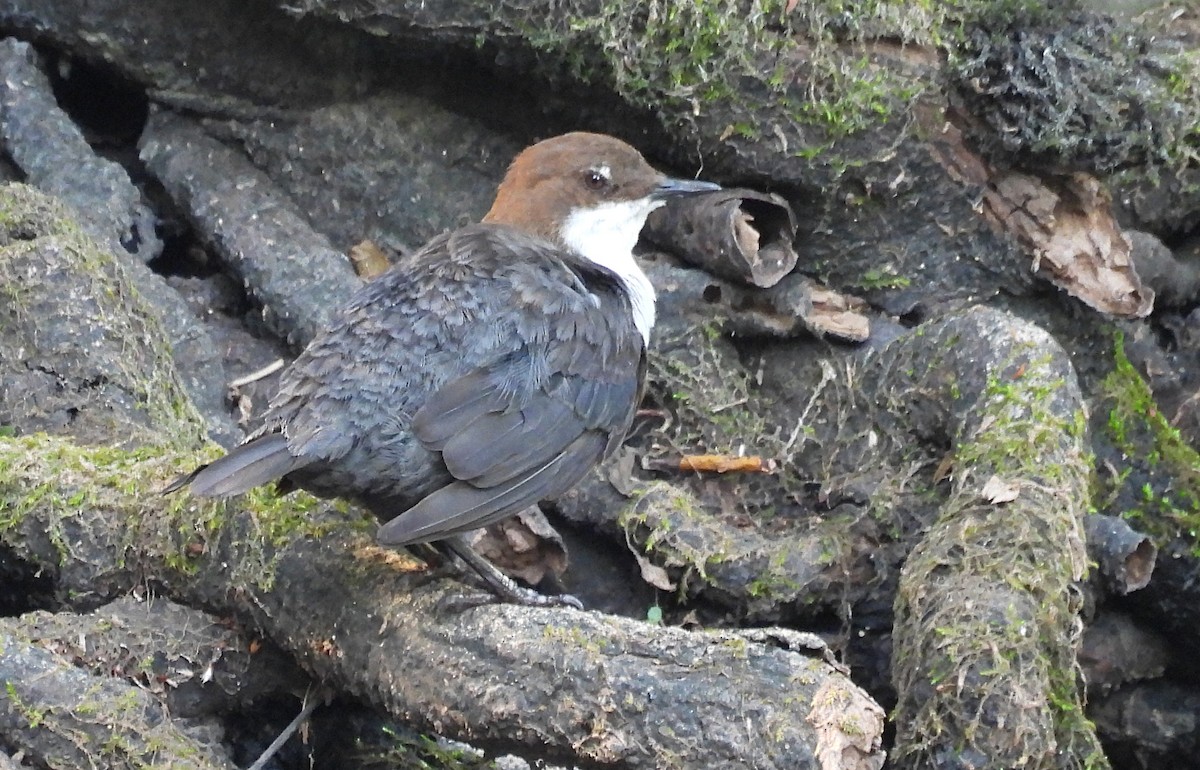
(525, 597)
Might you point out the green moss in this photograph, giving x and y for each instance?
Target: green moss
(777, 580)
(882, 278)
(1024, 426)
(574, 638)
(698, 370)
(986, 596)
(1160, 483)
(408, 750)
(106, 302)
(678, 60)
(33, 717)
(737, 646)
(671, 526)
(715, 409)
(73, 488)
(1073, 90)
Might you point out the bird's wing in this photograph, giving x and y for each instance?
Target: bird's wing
(511, 435)
(461, 506)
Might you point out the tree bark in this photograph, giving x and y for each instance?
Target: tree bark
(575, 686)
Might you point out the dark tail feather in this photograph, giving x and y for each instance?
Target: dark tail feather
(256, 462)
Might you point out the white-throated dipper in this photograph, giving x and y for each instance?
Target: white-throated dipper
(490, 371)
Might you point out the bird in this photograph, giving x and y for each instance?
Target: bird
(489, 371)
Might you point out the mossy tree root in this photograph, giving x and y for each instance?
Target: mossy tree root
(987, 622)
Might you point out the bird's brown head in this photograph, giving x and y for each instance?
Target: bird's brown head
(590, 194)
(556, 181)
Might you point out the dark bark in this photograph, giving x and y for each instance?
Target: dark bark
(1124, 558)
(54, 156)
(1116, 651)
(1151, 725)
(68, 718)
(198, 664)
(743, 235)
(291, 269)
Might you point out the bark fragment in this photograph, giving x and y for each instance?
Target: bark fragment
(742, 235)
(1064, 223)
(1124, 557)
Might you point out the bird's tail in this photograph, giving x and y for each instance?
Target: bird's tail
(256, 462)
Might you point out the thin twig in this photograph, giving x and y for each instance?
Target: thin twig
(308, 706)
(267, 370)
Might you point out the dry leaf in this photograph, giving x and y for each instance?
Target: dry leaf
(654, 574)
(525, 546)
(651, 573)
(997, 490)
(849, 728)
(368, 260)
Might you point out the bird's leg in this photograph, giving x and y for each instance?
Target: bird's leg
(504, 587)
(440, 563)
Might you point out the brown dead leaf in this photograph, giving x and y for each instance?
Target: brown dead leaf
(944, 468)
(619, 471)
(368, 260)
(525, 546)
(849, 727)
(651, 572)
(654, 574)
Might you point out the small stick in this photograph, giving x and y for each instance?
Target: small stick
(713, 464)
(266, 371)
(309, 705)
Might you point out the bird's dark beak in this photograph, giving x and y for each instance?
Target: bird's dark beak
(669, 188)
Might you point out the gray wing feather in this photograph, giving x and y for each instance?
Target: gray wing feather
(510, 447)
(454, 407)
(256, 462)
(460, 506)
(490, 434)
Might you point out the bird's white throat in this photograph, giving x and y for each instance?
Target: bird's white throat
(606, 235)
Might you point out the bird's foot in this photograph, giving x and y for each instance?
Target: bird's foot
(526, 597)
(501, 586)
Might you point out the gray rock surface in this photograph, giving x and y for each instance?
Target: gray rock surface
(396, 168)
(292, 270)
(52, 153)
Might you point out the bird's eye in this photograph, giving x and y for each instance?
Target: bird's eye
(595, 179)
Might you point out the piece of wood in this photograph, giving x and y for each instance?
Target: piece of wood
(739, 234)
(1124, 557)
